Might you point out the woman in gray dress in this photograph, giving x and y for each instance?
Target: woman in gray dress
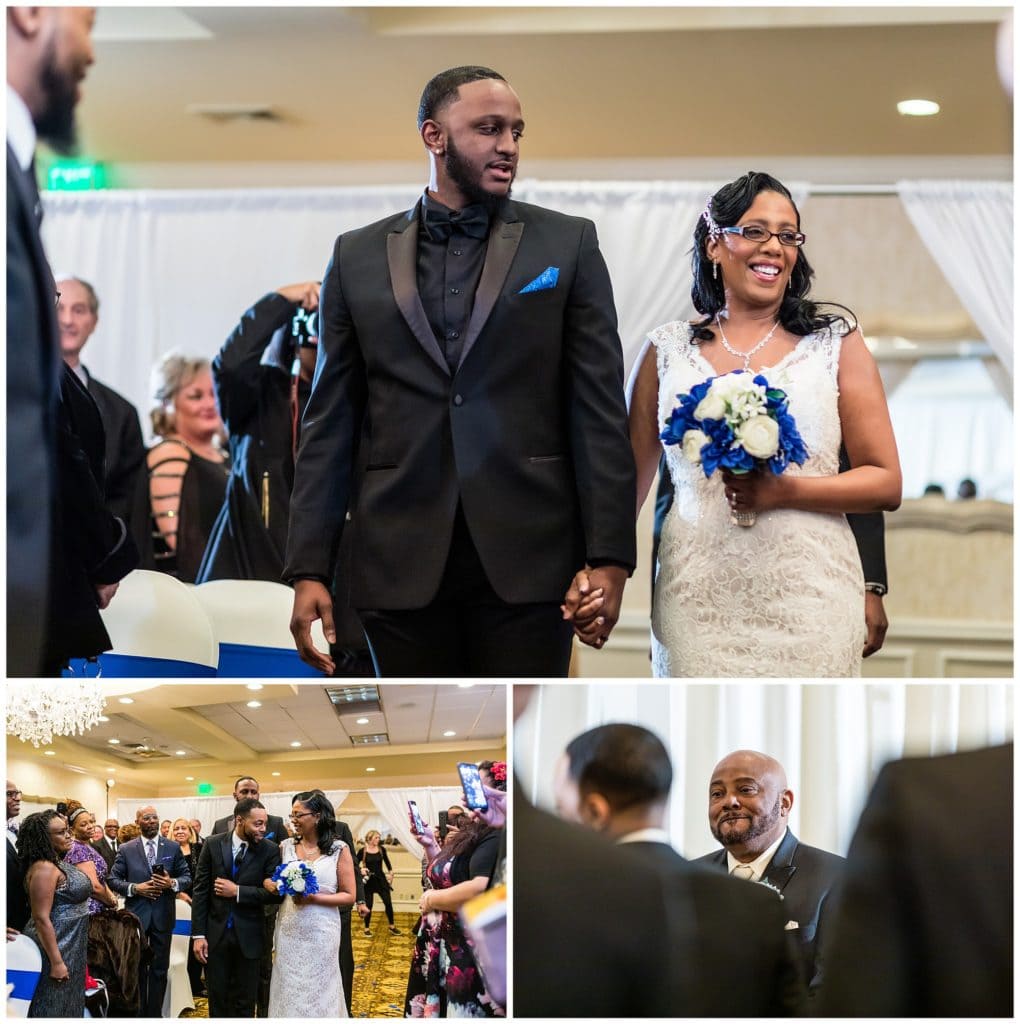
(58, 894)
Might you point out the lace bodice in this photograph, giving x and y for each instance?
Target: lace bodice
(731, 601)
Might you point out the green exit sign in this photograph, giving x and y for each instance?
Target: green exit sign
(205, 789)
(75, 176)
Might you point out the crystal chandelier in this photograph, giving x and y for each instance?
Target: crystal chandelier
(38, 711)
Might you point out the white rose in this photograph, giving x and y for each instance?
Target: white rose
(759, 436)
(298, 885)
(693, 442)
(712, 406)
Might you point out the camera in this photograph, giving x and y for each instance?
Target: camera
(304, 327)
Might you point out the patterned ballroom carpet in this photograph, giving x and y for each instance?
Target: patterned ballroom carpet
(380, 968)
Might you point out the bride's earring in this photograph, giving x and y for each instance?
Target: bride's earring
(715, 270)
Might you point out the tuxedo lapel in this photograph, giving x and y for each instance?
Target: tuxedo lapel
(402, 256)
(503, 242)
(781, 868)
(227, 853)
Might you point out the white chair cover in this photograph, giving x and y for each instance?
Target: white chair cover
(24, 962)
(178, 985)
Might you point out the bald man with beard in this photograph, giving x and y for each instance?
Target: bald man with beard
(749, 805)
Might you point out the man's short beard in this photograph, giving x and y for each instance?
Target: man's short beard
(757, 829)
(55, 123)
(462, 175)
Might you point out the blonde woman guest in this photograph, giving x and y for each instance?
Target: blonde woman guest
(377, 874)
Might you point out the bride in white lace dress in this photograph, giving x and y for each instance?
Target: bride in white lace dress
(306, 964)
(784, 597)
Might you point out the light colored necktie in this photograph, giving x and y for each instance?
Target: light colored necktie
(744, 871)
(150, 855)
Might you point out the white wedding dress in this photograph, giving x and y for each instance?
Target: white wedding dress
(784, 597)
(306, 964)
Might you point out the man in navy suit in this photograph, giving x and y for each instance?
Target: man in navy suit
(49, 50)
(467, 424)
(149, 872)
(227, 919)
(749, 805)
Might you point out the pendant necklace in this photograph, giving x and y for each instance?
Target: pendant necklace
(746, 356)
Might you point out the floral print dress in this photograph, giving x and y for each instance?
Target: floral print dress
(444, 980)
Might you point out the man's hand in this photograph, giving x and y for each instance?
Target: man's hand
(876, 621)
(305, 295)
(225, 887)
(609, 580)
(362, 909)
(104, 594)
(311, 602)
(150, 889)
(201, 948)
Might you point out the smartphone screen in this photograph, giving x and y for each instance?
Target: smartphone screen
(419, 825)
(474, 795)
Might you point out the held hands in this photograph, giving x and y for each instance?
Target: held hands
(305, 295)
(593, 603)
(311, 602)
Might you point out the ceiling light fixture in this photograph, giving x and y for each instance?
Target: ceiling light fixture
(295, 743)
(276, 775)
(918, 108)
(38, 711)
(369, 769)
(181, 753)
(449, 732)
(125, 700)
(50, 753)
(254, 704)
(254, 686)
(114, 741)
(189, 778)
(362, 721)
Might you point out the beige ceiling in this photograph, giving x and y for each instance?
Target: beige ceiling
(221, 738)
(596, 83)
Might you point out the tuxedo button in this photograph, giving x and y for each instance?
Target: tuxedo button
(455, 291)
(458, 399)
(458, 252)
(454, 334)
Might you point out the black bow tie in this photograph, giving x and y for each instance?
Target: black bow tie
(441, 222)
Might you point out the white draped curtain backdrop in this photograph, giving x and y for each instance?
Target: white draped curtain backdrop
(392, 804)
(175, 270)
(968, 229)
(831, 739)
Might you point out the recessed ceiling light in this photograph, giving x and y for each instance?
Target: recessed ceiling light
(103, 718)
(918, 108)
(465, 686)
(275, 774)
(113, 741)
(50, 753)
(362, 721)
(254, 704)
(449, 732)
(189, 778)
(296, 743)
(369, 769)
(181, 753)
(111, 769)
(254, 686)
(125, 700)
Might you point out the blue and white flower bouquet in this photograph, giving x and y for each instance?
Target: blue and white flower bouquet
(295, 878)
(736, 421)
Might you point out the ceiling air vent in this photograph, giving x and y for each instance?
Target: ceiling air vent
(234, 111)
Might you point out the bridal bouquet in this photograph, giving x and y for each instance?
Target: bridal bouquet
(739, 422)
(295, 878)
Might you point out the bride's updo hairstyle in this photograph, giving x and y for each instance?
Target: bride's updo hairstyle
(797, 313)
(316, 802)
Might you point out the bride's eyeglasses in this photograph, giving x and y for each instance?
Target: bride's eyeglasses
(303, 814)
(756, 233)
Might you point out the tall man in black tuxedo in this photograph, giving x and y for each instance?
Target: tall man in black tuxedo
(247, 788)
(467, 416)
(150, 894)
(49, 50)
(748, 806)
(924, 926)
(227, 922)
(615, 780)
(18, 909)
(77, 318)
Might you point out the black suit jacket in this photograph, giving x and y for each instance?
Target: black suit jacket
(91, 545)
(807, 878)
(32, 363)
(130, 867)
(105, 850)
(568, 961)
(528, 434)
(18, 908)
(125, 449)
(718, 922)
(925, 923)
(209, 912)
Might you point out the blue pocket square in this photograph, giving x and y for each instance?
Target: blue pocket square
(547, 279)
